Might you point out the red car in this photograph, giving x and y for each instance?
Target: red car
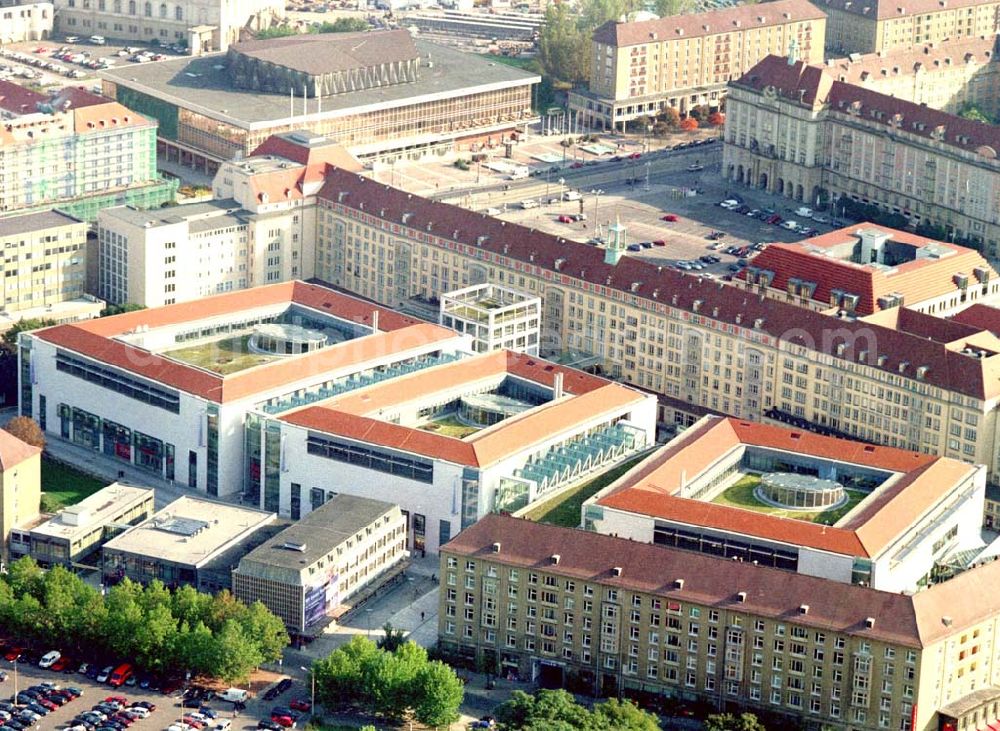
(61, 664)
(564, 219)
(659, 242)
(300, 704)
(14, 654)
(576, 166)
(117, 699)
(285, 721)
(635, 156)
(670, 218)
(193, 722)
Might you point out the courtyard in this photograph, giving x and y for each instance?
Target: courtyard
(741, 495)
(225, 356)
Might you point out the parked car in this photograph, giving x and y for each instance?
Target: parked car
(49, 659)
(564, 218)
(300, 704)
(669, 218)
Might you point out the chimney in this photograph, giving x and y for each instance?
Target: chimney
(557, 386)
(374, 322)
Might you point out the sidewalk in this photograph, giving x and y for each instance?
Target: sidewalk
(103, 468)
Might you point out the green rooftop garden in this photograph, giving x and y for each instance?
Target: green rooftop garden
(741, 495)
(225, 356)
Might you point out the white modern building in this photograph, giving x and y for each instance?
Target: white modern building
(497, 317)
(842, 510)
(258, 230)
(291, 392)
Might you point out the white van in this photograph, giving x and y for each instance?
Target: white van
(571, 195)
(804, 212)
(233, 695)
(98, 40)
(530, 203)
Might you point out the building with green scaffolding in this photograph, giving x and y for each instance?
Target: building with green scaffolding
(80, 152)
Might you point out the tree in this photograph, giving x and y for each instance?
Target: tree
(111, 310)
(27, 430)
(563, 48)
(272, 637)
(971, 111)
(278, 31)
(439, 694)
(544, 709)
(10, 336)
(235, 654)
(26, 577)
(338, 676)
(616, 714)
(716, 119)
(689, 124)
(732, 722)
(665, 8)
(344, 25)
(393, 640)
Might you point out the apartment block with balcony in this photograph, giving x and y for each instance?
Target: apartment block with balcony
(683, 61)
(564, 607)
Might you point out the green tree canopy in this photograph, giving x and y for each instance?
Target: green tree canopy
(388, 683)
(564, 47)
(34, 323)
(558, 709)
(733, 722)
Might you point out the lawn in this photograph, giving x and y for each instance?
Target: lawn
(565, 509)
(741, 495)
(225, 356)
(63, 485)
(449, 426)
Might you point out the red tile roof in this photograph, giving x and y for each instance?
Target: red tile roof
(817, 87)
(359, 414)
(695, 25)
(707, 580)
(95, 339)
(917, 281)
(894, 63)
(13, 451)
(980, 317)
(652, 487)
(17, 99)
(315, 157)
(557, 259)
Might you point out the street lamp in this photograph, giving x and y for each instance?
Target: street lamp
(647, 177)
(312, 698)
(597, 193)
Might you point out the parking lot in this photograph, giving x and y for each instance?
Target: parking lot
(168, 711)
(61, 62)
(641, 209)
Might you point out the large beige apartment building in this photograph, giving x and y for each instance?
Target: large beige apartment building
(797, 130)
(686, 60)
(898, 377)
(598, 613)
(867, 26)
(43, 262)
(943, 75)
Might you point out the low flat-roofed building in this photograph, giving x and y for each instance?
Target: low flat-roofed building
(347, 547)
(434, 99)
(847, 511)
(620, 617)
(76, 532)
(863, 269)
(178, 544)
